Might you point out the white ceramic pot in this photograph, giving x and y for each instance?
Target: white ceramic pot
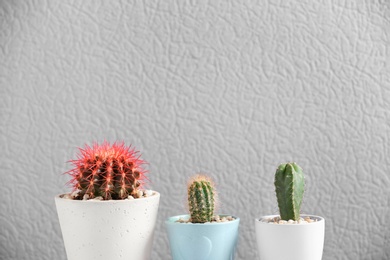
(113, 229)
(290, 241)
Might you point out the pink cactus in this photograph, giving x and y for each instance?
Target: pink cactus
(108, 171)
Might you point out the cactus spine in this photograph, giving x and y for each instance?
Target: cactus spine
(289, 187)
(201, 199)
(107, 171)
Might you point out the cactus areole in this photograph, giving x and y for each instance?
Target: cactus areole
(289, 187)
(111, 171)
(201, 199)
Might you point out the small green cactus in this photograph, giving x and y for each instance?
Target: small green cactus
(289, 187)
(201, 199)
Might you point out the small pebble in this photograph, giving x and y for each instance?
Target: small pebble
(139, 194)
(309, 220)
(148, 193)
(67, 196)
(180, 220)
(130, 197)
(98, 198)
(85, 197)
(75, 194)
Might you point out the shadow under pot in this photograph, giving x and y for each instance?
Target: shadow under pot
(303, 241)
(202, 241)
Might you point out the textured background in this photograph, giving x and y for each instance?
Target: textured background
(230, 88)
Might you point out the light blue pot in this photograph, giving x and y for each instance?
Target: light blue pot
(208, 241)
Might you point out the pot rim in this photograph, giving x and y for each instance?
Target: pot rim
(154, 196)
(169, 222)
(320, 220)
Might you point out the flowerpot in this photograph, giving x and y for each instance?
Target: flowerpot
(207, 241)
(110, 229)
(304, 241)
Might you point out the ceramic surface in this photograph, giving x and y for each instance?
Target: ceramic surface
(208, 241)
(114, 230)
(290, 241)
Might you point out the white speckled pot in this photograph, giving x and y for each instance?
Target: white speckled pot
(114, 229)
(290, 241)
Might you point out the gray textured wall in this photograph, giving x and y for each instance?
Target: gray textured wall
(230, 88)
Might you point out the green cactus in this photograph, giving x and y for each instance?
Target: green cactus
(289, 187)
(201, 199)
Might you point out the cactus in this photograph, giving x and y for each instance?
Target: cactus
(201, 199)
(110, 171)
(289, 187)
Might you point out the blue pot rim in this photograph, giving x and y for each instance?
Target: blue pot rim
(172, 220)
